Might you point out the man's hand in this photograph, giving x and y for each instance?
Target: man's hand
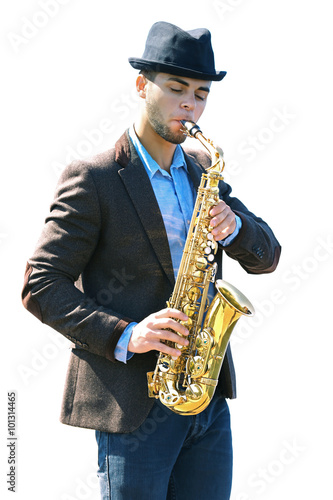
(147, 334)
(223, 221)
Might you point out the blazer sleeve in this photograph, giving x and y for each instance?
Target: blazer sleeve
(255, 247)
(68, 240)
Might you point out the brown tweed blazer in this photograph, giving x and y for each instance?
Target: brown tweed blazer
(102, 261)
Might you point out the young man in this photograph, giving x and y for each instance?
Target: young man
(105, 266)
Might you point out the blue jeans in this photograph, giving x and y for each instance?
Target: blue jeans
(169, 457)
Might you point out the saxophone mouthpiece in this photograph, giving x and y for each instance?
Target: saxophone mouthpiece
(190, 128)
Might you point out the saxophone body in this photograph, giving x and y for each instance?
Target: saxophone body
(187, 384)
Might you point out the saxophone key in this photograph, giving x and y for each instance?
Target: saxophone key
(211, 202)
(181, 347)
(164, 365)
(193, 294)
(198, 276)
(190, 309)
(201, 263)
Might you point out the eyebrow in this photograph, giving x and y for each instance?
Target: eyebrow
(183, 82)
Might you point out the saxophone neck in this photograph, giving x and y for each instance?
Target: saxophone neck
(215, 152)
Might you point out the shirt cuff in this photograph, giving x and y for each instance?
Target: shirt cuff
(121, 352)
(232, 236)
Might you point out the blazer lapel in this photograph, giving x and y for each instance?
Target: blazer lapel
(139, 189)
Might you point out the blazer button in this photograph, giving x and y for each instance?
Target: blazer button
(259, 251)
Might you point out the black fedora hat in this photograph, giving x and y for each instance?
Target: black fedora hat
(169, 49)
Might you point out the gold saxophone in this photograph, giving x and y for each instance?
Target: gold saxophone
(187, 384)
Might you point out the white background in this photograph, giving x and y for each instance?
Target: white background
(63, 74)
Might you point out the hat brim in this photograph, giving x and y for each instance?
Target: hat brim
(142, 64)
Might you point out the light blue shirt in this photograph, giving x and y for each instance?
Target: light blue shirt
(176, 197)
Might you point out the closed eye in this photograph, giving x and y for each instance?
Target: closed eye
(200, 97)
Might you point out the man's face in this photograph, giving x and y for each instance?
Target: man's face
(170, 99)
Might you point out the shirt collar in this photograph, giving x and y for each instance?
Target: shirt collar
(150, 164)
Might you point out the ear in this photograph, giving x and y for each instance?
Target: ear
(141, 84)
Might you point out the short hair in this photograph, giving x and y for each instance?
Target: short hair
(149, 74)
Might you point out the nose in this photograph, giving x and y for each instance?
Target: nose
(189, 103)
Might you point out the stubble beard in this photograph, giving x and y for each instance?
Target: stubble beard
(156, 121)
